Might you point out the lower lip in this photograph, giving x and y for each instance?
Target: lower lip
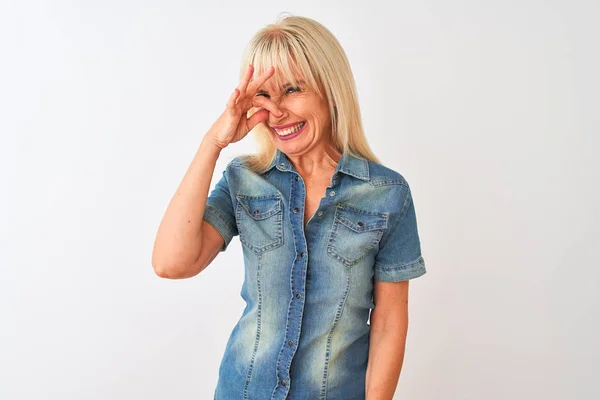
(292, 135)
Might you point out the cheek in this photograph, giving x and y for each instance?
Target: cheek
(296, 106)
(322, 115)
(311, 110)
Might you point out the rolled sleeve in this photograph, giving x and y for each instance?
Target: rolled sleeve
(219, 211)
(399, 257)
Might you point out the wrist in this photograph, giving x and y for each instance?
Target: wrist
(209, 142)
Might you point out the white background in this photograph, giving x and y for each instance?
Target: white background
(488, 108)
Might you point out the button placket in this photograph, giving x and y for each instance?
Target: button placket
(290, 343)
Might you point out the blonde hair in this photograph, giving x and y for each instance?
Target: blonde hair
(300, 46)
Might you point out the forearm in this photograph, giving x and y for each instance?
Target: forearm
(179, 235)
(386, 355)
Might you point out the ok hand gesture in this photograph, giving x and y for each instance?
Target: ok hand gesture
(233, 125)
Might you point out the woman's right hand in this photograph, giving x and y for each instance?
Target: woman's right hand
(233, 125)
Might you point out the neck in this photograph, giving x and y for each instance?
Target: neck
(316, 162)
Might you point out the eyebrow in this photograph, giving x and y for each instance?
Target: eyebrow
(300, 82)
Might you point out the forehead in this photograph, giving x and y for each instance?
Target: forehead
(285, 69)
(287, 72)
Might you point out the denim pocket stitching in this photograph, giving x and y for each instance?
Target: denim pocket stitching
(375, 222)
(274, 209)
(272, 215)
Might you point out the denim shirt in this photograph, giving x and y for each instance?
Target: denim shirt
(304, 333)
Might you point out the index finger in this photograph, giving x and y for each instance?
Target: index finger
(253, 87)
(245, 79)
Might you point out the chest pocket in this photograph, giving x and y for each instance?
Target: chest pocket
(354, 233)
(259, 220)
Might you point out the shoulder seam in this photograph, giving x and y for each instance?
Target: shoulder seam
(387, 182)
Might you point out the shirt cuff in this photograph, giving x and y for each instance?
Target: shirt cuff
(399, 273)
(213, 216)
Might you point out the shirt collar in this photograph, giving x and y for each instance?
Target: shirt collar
(348, 164)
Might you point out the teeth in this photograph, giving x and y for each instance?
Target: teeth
(288, 131)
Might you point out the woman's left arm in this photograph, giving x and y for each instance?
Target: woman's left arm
(389, 325)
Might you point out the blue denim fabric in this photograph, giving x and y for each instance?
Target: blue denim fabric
(304, 333)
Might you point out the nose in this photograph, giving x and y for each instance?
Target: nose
(278, 107)
(277, 101)
(277, 120)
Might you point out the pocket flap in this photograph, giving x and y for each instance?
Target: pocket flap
(260, 207)
(360, 220)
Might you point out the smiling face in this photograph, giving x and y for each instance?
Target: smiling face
(305, 123)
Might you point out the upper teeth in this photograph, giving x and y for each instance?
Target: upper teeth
(291, 129)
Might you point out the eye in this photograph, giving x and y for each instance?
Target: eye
(295, 89)
(262, 94)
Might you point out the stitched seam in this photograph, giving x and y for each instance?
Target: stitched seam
(217, 213)
(338, 315)
(257, 339)
(279, 231)
(406, 204)
(283, 347)
(291, 303)
(400, 266)
(338, 219)
(268, 196)
(287, 328)
(388, 182)
(394, 221)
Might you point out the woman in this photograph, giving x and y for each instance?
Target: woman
(328, 233)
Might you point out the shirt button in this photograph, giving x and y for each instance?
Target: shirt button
(332, 193)
(283, 383)
(302, 254)
(298, 296)
(282, 164)
(290, 343)
(296, 209)
(320, 213)
(297, 178)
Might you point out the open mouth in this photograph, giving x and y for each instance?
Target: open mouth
(290, 130)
